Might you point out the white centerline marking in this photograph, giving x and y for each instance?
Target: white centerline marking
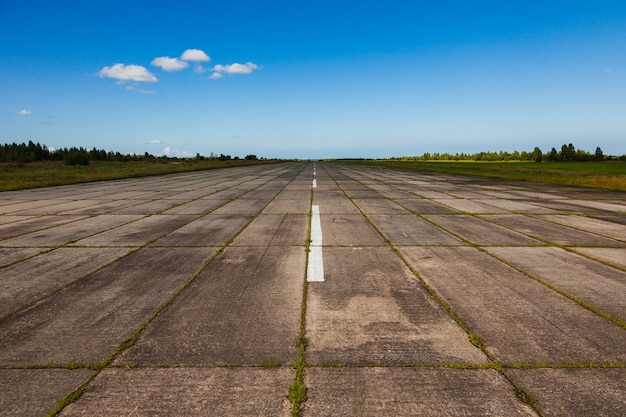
(315, 268)
(314, 183)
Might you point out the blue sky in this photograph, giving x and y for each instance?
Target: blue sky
(314, 79)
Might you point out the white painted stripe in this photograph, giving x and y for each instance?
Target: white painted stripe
(315, 268)
(314, 183)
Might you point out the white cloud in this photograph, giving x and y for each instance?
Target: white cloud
(24, 112)
(139, 90)
(167, 150)
(195, 55)
(215, 76)
(154, 142)
(123, 73)
(169, 64)
(236, 68)
(198, 69)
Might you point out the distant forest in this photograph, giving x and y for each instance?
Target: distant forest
(568, 153)
(33, 152)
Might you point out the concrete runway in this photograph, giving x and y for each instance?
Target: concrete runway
(425, 294)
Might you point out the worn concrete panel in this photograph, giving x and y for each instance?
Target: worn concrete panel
(275, 230)
(552, 232)
(348, 230)
(602, 286)
(412, 230)
(481, 232)
(615, 256)
(243, 309)
(469, 206)
(24, 282)
(519, 319)
(69, 232)
(575, 392)
(210, 230)
(601, 227)
(137, 233)
(12, 255)
(86, 321)
(35, 392)
(423, 206)
(186, 392)
(32, 224)
(411, 392)
(371, 310)
(334, 202)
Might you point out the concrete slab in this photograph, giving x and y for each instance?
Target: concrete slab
(601, 227)
(412, 230)
(519, 319)
(186, 392)
(548, 231)
(291, 203)
(599, 206)
(614, 256)
(468, 206)
(86, 321)
(564, 206)
(35, 392)
(575, 392)
(517, 206)
(69, 232)
(479, 231)
(27, 281)
(347, 230)
(379, 205)
(371, 310)
(62, 207)
(430, 194)
(410, 392)
(19, 207)
(334, 202)
(243, 309)
(600, 285)
(423, 206)
(103, 207)
(248, 207)
(200, 206)
(148, 207)
(137, 233)
(613, 218)
(9, 218)
(275, 230)
(32, 224)
(210, 230)
(12, 255)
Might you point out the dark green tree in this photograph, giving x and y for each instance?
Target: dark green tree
(599, 154)
(537, 155)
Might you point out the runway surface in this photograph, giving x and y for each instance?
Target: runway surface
(417, 293)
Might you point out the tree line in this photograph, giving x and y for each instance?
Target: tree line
(567, 153)
(24, 153)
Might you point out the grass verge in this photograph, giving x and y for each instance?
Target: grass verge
(50, 173)
(610, 175)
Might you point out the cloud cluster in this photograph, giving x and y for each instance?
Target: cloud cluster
(169, 64)
(176, 64)
(235, 68)
(131, 72)
(139, 74)
(24, 112)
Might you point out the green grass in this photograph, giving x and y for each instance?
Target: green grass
(270, 364)
(49, 173)
(609, 175)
